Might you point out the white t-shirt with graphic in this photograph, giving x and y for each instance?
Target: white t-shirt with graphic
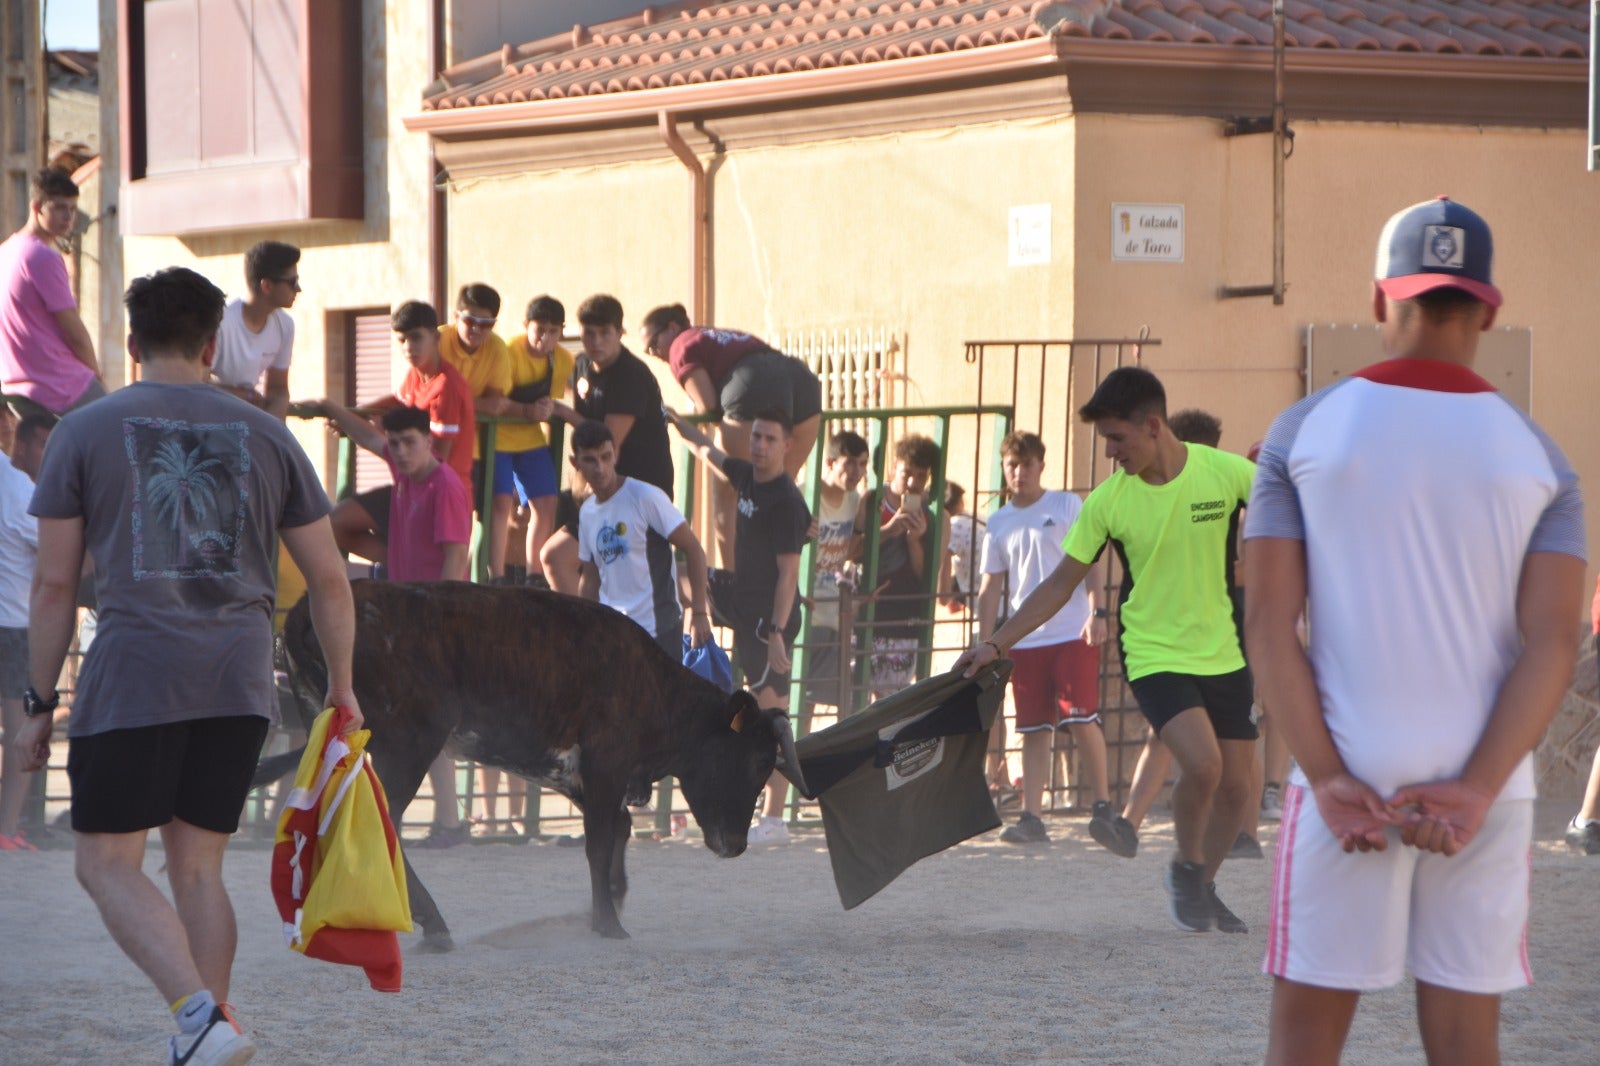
(1024, 543)
(626, 539)
(242, 356)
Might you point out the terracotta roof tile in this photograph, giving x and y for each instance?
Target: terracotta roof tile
(694, 41)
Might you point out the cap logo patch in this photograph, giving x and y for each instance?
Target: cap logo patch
(1444, 246)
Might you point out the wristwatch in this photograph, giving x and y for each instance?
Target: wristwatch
(34, 704)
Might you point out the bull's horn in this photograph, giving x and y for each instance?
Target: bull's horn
(788, 758)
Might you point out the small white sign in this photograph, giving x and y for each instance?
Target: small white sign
(1147, 232)
(1030, 235)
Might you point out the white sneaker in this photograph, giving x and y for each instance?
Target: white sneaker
(220, 1043)
(769, 831)
(1272, 802)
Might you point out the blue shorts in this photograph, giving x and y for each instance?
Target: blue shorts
(529, 474)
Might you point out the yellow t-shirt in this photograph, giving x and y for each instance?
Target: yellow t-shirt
(528, 370)
(487, 368)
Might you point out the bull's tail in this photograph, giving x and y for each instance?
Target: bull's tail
(273, 767)
(308, 680)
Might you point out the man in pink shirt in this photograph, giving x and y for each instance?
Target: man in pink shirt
(46, 356)
(430, 526)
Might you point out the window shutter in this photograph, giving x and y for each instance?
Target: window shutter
(370, 377)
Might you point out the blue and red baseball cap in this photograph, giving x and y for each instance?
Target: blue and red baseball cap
(1437, 244)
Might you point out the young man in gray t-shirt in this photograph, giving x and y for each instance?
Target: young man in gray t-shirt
(179, 492)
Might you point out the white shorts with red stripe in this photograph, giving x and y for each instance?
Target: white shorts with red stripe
(1358, 921)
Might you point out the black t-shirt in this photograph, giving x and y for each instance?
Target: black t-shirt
(628, 388)
(773, 520)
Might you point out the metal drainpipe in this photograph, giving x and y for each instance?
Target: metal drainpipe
(438, 205)
(700, 216)
(1278, 123)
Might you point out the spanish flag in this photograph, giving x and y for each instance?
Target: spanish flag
(337, 873)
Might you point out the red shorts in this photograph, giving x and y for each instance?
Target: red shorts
(1055, 685)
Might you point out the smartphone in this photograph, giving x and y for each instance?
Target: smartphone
(911, 502)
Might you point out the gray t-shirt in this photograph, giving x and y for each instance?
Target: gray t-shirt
(182, 489)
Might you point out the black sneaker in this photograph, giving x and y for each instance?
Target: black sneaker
(1584, 837)
(1246, 847)
(1187, 900)
(1028, 829)
(1113, 832)
(1227, 921)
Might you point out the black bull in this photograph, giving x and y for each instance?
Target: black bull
(557, 689)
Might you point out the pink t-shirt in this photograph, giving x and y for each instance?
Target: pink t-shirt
(424, 516)
(35, 360)
(716, 351)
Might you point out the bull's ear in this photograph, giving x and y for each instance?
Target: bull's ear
(743, 712)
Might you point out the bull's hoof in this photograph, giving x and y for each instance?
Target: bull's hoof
(612, 932)
(435, 944)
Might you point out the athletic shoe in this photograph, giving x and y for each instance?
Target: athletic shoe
(8, 844)
(768, 831)
(220, 1043)
(1113, 832)
(1227, 921)
(1187, 899)
(1245, 847)
(1272, 802)
(440, 837)
(1028, 829)
(1584, 836)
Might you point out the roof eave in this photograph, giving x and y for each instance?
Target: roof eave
(1036, 53)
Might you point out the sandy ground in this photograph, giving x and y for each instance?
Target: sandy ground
(985, 953)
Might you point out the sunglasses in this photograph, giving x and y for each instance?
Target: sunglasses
(474, 320)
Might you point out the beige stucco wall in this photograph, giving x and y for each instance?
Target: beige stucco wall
(344, 265)
(1241, 358)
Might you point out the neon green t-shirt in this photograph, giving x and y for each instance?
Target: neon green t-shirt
(1173, 540)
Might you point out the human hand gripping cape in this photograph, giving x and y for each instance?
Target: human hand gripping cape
(338, 876)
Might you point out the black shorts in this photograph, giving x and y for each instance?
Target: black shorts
(130, 780)
(1226, 699)
(567, 508)
(730, 610)
(763, 380)
(13, 662)
(376, 503)
(822, 666)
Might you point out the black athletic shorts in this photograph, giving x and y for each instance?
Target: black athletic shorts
(376, 503)
(1225, 697)
(763, 380)
(129, 780)
(749, 649)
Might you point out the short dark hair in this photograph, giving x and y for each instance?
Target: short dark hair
(846, 442)
(1129, 393)
(173, 311)
(267, 260)
(413, 314)
(546, 309)
(1438, 305)
(1194, 426)
(600, 309)
(400, 419)
(52, 181)
(953, 494)
(477, 294)
(590, 434)
(1021, 443)
(35, 424)
(666, 315)
(778, 415)
(918, 451)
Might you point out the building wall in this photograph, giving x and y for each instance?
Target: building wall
(378, 262)
(1242, 358)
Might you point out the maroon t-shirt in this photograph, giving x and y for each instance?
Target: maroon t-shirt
(716, 351)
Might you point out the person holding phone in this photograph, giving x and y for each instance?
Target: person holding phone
(907, 540)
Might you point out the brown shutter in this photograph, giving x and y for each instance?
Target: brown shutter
(370, 376)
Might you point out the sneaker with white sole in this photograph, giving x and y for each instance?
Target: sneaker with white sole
(220, 1043)
(768, 831)
(1584, 836)
(1187, 899)
(1272, 802)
